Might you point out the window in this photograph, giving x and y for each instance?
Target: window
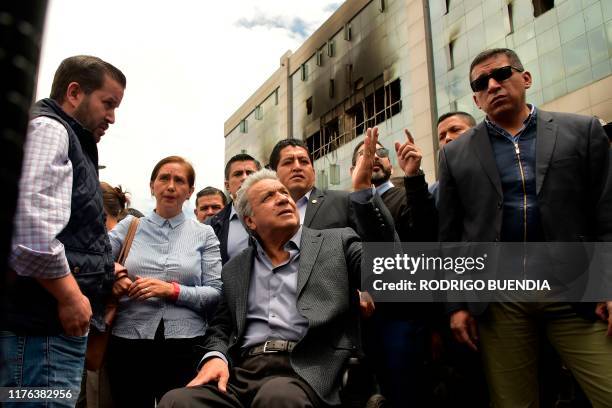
(510, 19)
(276, 96)
(451, 54)
(319, 58)
(331, 48)
(309, 105)
(348, 32)
(348, 74)
(332, 90)
(259, 112)
(358, 84)
(304, 72)
(244, 127)
(381, 5)
(542, 6)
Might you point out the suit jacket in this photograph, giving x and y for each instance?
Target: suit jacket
(328, 273)
(335, 209)
(220, 224)
(413, 210)
(572, 166)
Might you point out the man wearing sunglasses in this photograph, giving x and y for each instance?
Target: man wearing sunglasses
(396, 335)
(526, 175)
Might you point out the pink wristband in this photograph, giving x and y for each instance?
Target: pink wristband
(175, 292)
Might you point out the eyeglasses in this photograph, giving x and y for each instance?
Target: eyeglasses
(499, 74)
(381, 152)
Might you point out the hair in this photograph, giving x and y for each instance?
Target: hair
(514, 59)
(207, 191)
(115, 201)
(356, 149)
(469, 118)
(87, 71)
(175, 159)
(243, 206)
(240, 158)
(275, 155)
(134, 212)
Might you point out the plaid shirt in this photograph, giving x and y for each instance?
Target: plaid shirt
(43, 207)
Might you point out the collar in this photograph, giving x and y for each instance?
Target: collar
(233, 213)
(294, 243)
(304, 200)
(174, 222)
(503, 132)
(384, 187)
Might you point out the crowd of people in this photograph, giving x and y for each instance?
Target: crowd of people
(258, 301)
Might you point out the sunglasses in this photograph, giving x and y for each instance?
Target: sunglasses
(498, 74)
(380, 152)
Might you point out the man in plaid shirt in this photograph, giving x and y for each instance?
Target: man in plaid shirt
(60, 266)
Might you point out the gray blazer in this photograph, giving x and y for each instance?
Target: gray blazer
(329, 273)
(572, 167)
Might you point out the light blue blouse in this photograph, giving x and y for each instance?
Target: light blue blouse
(177, 249)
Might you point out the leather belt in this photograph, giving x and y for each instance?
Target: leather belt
(271, 346)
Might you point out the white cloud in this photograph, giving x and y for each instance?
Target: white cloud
(189, 65)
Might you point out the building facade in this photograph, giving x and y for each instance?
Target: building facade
(399, 64)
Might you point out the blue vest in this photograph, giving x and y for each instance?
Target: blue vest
(31, 309)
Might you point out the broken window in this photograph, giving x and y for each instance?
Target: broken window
(542, 6)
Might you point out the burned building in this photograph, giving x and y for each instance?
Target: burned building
(400, 63)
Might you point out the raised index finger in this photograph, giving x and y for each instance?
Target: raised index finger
(409, 136)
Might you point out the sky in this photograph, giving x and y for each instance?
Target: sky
(189, 67)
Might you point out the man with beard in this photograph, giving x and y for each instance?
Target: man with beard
(396, 335)
(60, 267)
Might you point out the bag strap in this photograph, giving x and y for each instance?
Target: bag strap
(127, 242)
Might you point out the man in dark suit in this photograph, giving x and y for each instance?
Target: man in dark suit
(397, 334)
(233, 238)
(326, 209)
(288, 322)
(528, 175)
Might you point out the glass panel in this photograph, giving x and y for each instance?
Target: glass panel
(579, 80)
(460, 50)
(548, 40)
(601, 70)
(465, 103)
(609, 34)
(598, 46)
(576, 55)
(571, 27)
(494, 28)
(554, 91)
(545, 21)
(551, 65)
(473, 18)
(536, 98)
(606, 8)
(524, 34)
(476, 40)
(440, 65)
(491, 7)
(522, 13)
(568, 8)
(528, 51)
(592, 16)
(534, 68)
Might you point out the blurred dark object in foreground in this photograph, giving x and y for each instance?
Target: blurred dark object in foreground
(21, 28)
